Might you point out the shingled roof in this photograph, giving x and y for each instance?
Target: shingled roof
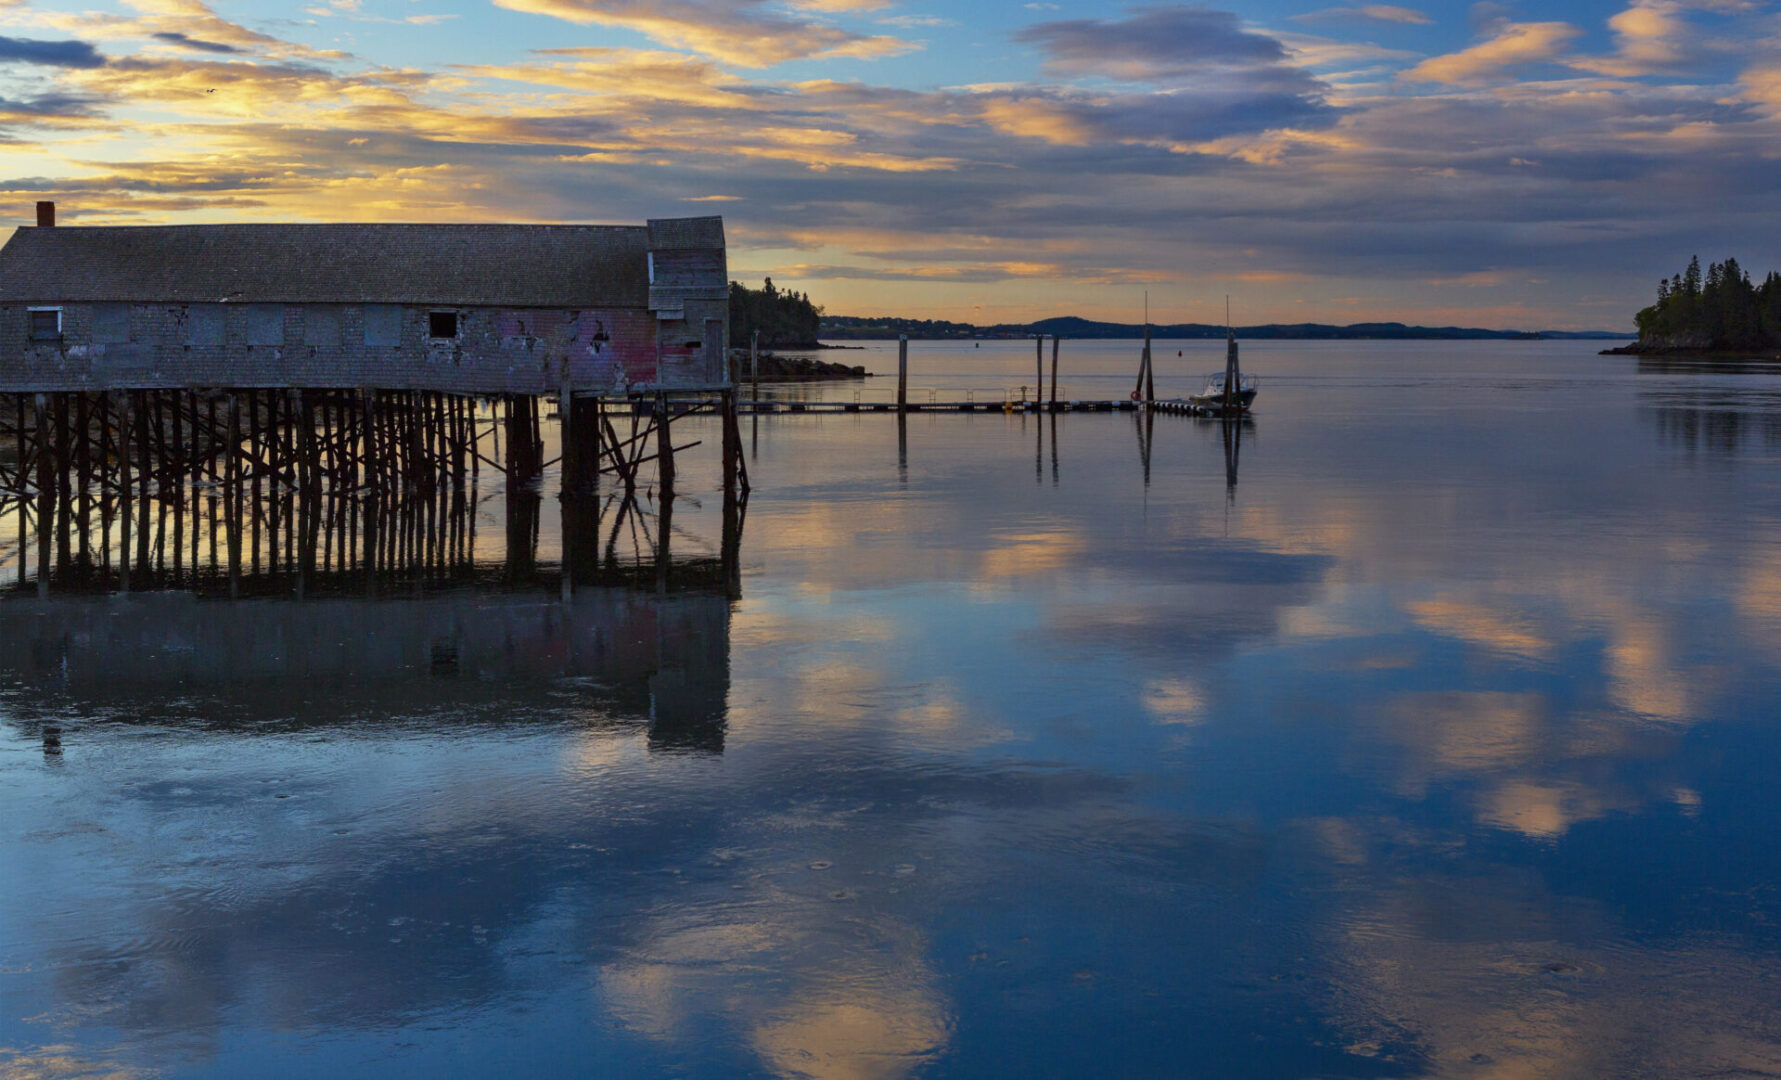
(566, 266)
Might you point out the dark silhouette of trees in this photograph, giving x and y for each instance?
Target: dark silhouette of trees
(786, 320)
(1721, 310)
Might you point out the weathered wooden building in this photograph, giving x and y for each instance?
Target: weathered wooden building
(358, 357)
(610, 310)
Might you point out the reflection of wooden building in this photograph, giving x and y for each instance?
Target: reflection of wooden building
(454, 309)
(664, 658)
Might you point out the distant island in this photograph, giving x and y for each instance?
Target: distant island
(1720, 312)
(851, 328)
(784, 320)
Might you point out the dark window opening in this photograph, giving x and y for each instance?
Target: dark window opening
(692, 345)
(442, 324)
(46, 325)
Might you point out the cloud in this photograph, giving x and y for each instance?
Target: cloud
(912, 21)
(1651, 37)
(66, 54)
(185, 41)
(1031, 192)
(1152, 43)
(1511, 45)
(742, 34)
(187, 20)
(46, 107)
(1373, 12)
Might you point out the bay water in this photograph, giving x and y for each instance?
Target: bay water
(1424, 723)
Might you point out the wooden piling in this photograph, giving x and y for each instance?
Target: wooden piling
(1054, 344)
(664, 450)
(902, 373)
(1149, 371)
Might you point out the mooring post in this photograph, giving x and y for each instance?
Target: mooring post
(754, 366)
(664, 451)
(1054, 340)
(567, 430)
(902, 373)
(1149, 372)
(732, 443)
(1038, 371)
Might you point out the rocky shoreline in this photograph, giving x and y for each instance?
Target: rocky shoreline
(1685, 352)
(776, 368)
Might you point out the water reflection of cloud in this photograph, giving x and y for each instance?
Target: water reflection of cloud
(1496, 976)
(1038, 552)
(1539, 810)
(1642, 675)
(1468, 731)
(1482, 625)
(1174, 701)
(61, 1062)
(863, 1006)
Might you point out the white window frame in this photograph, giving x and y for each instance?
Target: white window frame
(33, 333)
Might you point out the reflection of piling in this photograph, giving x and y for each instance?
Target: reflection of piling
(1054, 479)
(902, 446)
(1233, 447)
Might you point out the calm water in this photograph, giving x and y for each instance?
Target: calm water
(1427, 726)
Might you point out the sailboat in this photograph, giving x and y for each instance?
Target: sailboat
(1227, 392)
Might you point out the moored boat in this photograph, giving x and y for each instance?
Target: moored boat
(1228, 390)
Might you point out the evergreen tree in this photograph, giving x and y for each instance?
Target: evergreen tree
(785, 320)
(1718, 310)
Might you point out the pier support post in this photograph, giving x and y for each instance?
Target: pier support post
(902, 373)
(664, 449)
(1149, 371)
(125, 429)
(1038, 371)
(232, 497)
(1054, 342)
(46, 491)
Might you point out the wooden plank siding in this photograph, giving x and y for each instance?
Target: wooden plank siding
(128, 318)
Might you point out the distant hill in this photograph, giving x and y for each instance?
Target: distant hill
(853, 327)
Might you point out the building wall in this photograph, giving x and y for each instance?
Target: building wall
(496, 351)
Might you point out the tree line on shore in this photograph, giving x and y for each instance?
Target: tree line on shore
(1721, 309)
(786, 320)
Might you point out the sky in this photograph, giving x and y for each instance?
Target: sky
(1527, 167)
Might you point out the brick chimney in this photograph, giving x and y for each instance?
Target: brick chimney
(46, 214)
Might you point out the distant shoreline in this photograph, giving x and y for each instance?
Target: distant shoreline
(850, 328)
